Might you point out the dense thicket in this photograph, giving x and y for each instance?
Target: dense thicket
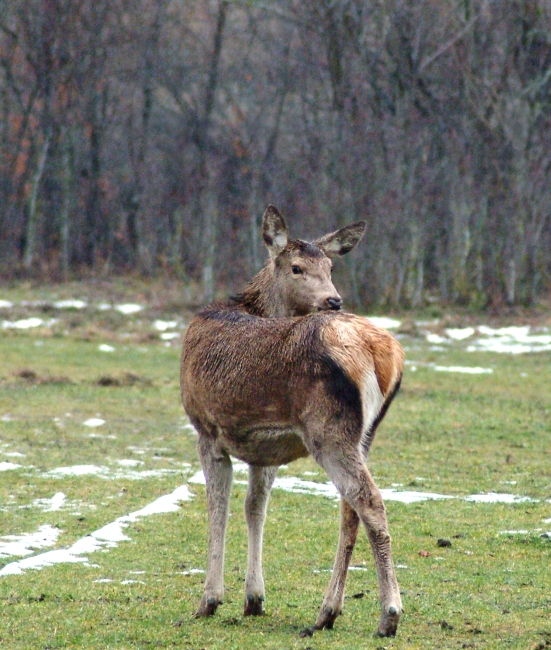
(151, 134)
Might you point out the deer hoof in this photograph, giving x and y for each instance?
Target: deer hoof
(254, 606)
(326, 618)
(207, 607)
(389, 622)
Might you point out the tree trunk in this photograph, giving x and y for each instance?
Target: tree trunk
(32, 221)
(67, 163)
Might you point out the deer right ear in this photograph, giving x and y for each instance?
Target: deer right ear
(274, 231)
(342, 241)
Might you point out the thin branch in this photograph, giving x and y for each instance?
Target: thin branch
(430, 59)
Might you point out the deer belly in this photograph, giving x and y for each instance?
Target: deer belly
(264, 446)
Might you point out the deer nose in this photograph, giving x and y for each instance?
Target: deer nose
(334, 303)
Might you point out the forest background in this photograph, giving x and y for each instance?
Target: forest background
(149, 135)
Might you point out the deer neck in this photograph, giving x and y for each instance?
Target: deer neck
(261, 296)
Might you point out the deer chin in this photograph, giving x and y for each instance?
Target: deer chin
(338, 308)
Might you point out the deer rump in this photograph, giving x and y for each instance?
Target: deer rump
(271, 390)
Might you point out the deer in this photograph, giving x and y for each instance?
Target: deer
(280, 372)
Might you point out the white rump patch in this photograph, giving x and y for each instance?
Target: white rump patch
(372, 399)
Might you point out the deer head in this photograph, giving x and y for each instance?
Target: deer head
(300, 270)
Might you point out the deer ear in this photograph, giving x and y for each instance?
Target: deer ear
(342, 241)
(274, 231)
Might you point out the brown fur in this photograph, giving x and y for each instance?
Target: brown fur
(279, 373)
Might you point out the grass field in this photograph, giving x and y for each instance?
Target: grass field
(92, 430)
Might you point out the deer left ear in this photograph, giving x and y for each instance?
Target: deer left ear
(342, 241)
(274, 231)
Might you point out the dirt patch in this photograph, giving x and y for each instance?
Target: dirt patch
(32, 377)
(124, 379)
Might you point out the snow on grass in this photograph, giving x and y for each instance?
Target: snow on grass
(5, 466)
(461, 333)
(6, 304)
(163, 325)
(436, 338)
(300, 486)
(385, 322)
(108, 536)
(94, 422)
(50, 505)
(106, 472)
(104, 347)
(21, 545)
(23, 324)
(505, 340)
(129, 462)
(495, 497)
(70, 304)
(470, 370)
(128, 308)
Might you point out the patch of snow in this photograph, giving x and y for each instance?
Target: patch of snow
(104, 538)
(131, 582)
(163, 325)
(470, 370)
(436, 338)
(104, 306)
(198, 478)
(5, 466)
(13, 454)
(24, 324)
(6, 304)
(411, 496)
(510, 340)
(94, 422)
(385, 322)
(494, 497)
(130, 462)
(21, 545)
(77, 470)
(51, 505)
(104, 347)
(70, 304)
(128, 308)
(169, 336)
(107, 473)
(460, 333)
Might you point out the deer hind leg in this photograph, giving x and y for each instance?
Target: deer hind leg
(261, 480)
(334, 596)
(217, 468)
(355, 484)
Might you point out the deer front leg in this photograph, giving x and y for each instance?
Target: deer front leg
(218, 474)
(334, 596)
(261, 480)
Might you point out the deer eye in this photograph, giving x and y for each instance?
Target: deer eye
(296, 270)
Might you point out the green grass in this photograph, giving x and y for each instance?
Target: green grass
(448, 433)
